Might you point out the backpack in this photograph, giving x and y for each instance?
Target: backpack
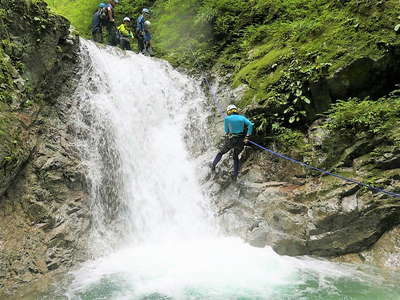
(102, 12)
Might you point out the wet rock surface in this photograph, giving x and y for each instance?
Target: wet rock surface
(43, 203)
(44, 211)
(34, 55)
(299, 212)
(317, 216)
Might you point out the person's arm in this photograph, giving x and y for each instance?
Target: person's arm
(250, 126)
(110, 17)
(226, 127)
(141, 25)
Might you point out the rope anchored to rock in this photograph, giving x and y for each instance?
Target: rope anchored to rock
(372, 188)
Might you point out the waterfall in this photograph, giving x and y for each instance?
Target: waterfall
(142, 133)
(133, 113)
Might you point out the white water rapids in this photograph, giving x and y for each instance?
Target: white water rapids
(154, 236)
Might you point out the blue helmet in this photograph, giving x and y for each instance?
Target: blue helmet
(102, 5)
(145, 11)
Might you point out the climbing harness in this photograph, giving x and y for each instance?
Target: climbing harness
(372, 188)
(378, 190)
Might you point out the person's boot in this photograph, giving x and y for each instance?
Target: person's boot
(234, 177)
(212, 167)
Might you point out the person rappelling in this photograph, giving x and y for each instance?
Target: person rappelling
(126, 34)
(236, 137)
(140, 29)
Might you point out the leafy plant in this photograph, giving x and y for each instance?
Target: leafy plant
(373, 117)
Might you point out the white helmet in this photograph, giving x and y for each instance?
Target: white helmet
(147, 23)
(231, 109)
(126, 19)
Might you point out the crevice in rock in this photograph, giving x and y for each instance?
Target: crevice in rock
(362, 78)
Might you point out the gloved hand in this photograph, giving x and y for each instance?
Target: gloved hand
(246, 140)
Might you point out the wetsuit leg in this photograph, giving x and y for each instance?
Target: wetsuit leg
(238, 148)
(140, 43)
(125, 44)
(96, 27)
(236, 163)
(112, 34)
(228, 145)
(216, 160)
(98, 34)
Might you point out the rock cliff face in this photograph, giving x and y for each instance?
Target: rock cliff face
(299, 212)
(43, 205)
(43, 199)
(363, 77)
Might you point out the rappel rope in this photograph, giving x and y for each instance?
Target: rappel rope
(372, 188)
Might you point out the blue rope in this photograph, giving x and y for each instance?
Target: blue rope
(378, 190)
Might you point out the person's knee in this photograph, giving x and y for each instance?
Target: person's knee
(219, 154)
(223, 152)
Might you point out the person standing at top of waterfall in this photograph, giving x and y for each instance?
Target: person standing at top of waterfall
(147, 38)
(140, 28)
(110, 23)
(98, 21)
(126, 34)
(236, 137)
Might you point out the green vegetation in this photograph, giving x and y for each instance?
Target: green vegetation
(23, 25)
(375, 118)
(78, 12)
(240, 34)
(276, 49)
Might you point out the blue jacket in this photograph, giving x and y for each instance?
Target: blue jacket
(236, 124)
(97, 20)
(140, 23)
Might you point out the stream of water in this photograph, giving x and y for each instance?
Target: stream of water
(154, 234)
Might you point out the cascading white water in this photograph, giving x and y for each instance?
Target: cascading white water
(153, 234)
(132, 112)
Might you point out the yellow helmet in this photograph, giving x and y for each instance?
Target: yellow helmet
(231, 109)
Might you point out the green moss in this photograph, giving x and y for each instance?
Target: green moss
(262, 66)
(78, 12)
(226, 32)
(376, 118)
(17, 43)
(276, 48)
